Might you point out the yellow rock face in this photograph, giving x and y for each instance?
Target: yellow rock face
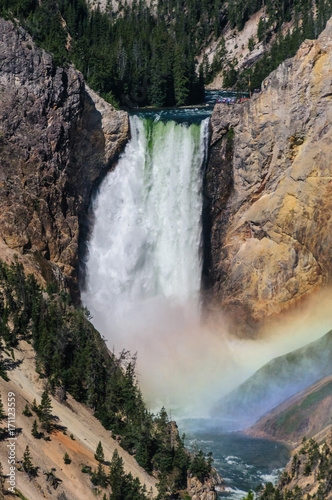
(271, 239)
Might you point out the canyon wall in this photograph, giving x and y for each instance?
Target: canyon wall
(268, 187)
(57, 140)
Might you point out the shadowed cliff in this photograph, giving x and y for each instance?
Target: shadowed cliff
(57, 140)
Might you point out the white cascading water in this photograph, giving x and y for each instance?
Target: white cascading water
(143, 268)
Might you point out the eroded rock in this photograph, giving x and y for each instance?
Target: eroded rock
(270, 192)
(58, 139)
(205, 490)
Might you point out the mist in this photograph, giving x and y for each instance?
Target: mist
(143, 273)
(187, 366)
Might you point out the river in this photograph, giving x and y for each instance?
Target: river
(244, 462)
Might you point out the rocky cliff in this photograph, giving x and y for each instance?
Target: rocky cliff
(268, 221)
(206, 490)
(305, 414)
(277, 381)
(57, 140)
(308, 473)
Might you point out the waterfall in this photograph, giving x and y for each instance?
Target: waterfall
(143, 267)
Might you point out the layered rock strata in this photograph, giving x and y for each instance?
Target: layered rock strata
(268, 185)
(57, 140)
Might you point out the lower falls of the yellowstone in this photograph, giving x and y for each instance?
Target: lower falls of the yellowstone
(143, 266)
(142, 283)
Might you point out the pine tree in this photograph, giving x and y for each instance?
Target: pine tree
(216, 16)
(99, 477)
(34, 430)
(99, 455)
(2, 417)
(206, 66)
(162, 485)
(3, 327)
(45, 410)
(2, 411)
(261, 30)
(199, 467)
(26, 412)
(116, 477)
(180, 75)
(66, 459)
(162, 421)
(308, 27)
(251, 44)
(2, 483)
(27, 461)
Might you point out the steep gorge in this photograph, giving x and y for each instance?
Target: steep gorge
(267, 183)
(268, 186)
